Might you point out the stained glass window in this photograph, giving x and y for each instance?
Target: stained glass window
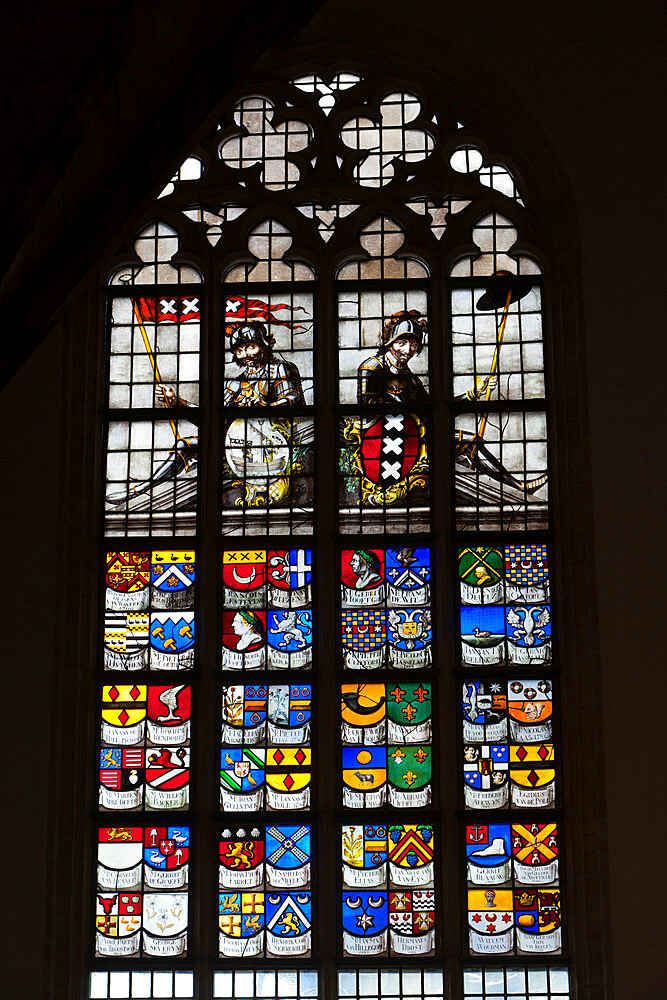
(329, 636)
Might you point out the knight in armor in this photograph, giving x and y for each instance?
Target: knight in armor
(386, 377)
(266, 379)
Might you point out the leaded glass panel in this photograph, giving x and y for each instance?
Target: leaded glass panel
(142, 891)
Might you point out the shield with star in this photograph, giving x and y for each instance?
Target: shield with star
(123, 714)
(410, 634)
(242, 776)
(169, 707)
(490, 921)
(125, 640)
(481, 571)
(409, 775)
(288, 920)
(288, 774)
(289, 711)
(363, 713)
(408, 572)
(364, 777)
(121, 777)
(411, 847)
(364, 853)
(244, 708)
(485, 775)
(127, 581)
(290, 572)
(538, 920)
(535, 852)
(241, 856)
(529, 704)
(172, 579)
(288, 856)
(483, 635)
(409, 712)
(364, 637)
(365, 921)
(488, 853)
(484, 708)
(532, 775)
(290, 639)
(166, 855)
(412, 921)
(527, 573)
(172, 640)
(244, 578)
(241, 920)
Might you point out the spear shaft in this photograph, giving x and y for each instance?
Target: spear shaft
(153, 360)
(494, 365)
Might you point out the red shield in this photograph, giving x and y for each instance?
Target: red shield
(389, 449)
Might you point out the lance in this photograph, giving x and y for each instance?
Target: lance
(491, 299)
(153, 360)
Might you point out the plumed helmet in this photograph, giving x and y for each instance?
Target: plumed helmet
(249, 333)
(406, 323)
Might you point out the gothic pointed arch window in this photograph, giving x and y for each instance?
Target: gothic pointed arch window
(329, 762)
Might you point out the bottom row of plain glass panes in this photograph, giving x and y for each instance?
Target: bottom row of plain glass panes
(513, 983)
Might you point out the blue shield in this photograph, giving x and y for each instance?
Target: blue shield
(488, 844)
(529, 625)
(172, 576)
(172, 632)
(288, 846)
(408, 568)
(288, 914)
(483, 625)
(290, 630)
(365, 913)
(409, 628)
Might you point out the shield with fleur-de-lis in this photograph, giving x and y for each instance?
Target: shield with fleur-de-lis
(409, 712)
(409, 774)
